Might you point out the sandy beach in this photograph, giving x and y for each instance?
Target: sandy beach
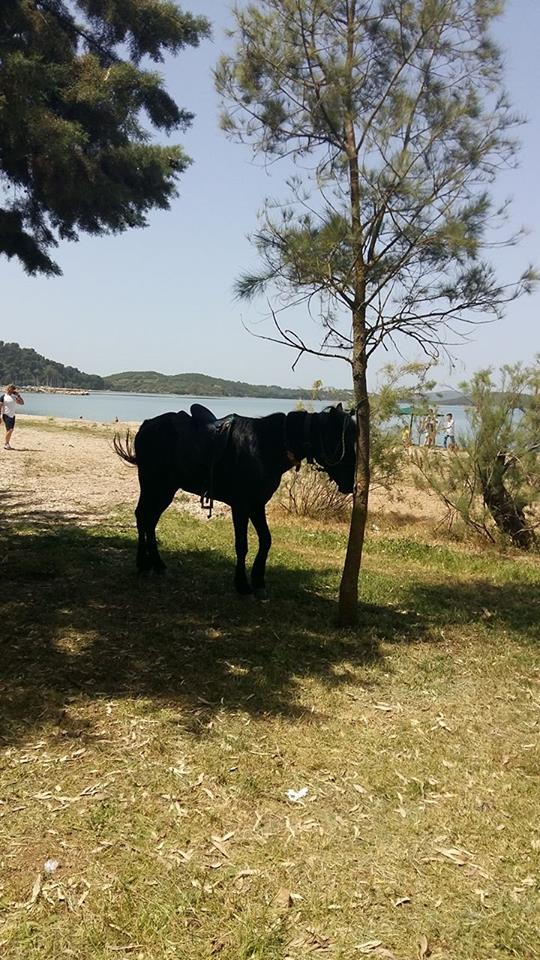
(67, 469)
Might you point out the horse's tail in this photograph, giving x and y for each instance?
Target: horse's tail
(125, 449)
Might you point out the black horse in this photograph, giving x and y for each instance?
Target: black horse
(238, 460)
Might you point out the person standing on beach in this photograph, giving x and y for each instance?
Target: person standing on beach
(449, 432)
(8, 401)
(430, 427)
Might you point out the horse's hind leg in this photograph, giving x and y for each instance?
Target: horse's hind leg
(258, 570)
(143, 560)
(154, 499)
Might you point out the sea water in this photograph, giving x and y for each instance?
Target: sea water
(108, 407)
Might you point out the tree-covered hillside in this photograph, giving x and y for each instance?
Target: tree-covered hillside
(198, 384)
(25, 367)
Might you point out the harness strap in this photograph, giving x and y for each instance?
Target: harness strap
(207, 503)
(306, 451)
(207, 497)
(306, 442)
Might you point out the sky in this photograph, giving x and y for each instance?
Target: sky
(161, 298)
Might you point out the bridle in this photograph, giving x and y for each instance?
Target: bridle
(341, 444)
(307, 444)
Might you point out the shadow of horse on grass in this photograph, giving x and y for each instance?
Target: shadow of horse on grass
(82, 624)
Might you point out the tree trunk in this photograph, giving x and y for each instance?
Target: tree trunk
(348, 590)
(507, 514)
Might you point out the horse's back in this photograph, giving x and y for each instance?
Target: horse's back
(232, 459)
(153, 435)
(176, 450)
(157, 441)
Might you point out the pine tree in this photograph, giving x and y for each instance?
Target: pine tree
(75, 156)
(397, 121)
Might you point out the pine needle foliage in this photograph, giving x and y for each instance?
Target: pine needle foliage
(397, 120)
(492, 483)
(75, 105)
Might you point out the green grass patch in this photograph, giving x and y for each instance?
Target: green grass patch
(152, 728)
(77, 427)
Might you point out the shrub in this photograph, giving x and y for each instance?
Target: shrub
(493, 482)
(311, 493)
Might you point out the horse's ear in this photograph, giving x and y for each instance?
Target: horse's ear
(339, 406)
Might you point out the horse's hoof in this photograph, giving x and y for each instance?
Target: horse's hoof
(260, 594)
(243, 589)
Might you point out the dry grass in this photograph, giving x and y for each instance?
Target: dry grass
(152, 730)
(310, 493)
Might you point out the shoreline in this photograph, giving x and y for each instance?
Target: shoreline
(46, 421)
(63, 391)
(304, 398)
(111, 407)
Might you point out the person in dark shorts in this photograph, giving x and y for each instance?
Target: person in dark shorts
(449, 433)
(8, 401)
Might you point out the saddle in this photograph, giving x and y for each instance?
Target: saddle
(207, 421)
(202, 415)
(216, 435)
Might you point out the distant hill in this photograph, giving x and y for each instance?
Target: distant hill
(25, 367)
(200, 385)
(449, 398)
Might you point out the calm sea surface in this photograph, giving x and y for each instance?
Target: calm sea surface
(106, 406)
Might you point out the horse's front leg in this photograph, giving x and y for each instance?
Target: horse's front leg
(240, 519)
(258, 519)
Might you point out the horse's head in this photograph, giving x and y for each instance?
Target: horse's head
(336, 446)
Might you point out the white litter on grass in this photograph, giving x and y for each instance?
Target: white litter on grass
(295, 795)
(51, 866)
